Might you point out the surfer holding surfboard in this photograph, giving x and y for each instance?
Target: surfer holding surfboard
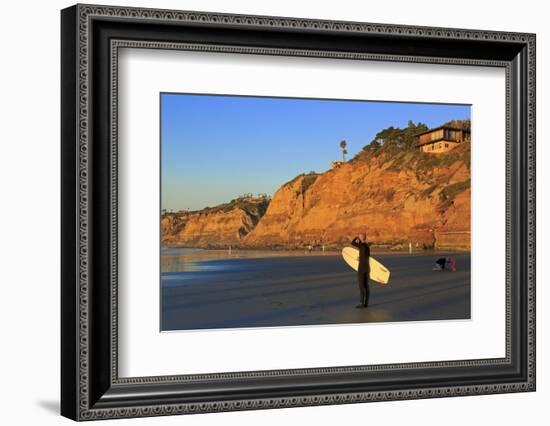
(359, 259)
(363, 270)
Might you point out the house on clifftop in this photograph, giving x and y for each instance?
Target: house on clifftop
(441, 139)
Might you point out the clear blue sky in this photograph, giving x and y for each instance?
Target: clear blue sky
(214, 148)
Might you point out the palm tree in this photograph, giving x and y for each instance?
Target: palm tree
(343, 145)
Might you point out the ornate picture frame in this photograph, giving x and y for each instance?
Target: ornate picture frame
(91, 37)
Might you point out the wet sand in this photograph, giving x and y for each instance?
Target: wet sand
(290, 290)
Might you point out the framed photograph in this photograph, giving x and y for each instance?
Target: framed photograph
(263, 212)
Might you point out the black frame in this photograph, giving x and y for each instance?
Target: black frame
(90, 386)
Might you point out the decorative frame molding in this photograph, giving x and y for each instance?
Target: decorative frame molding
(91, 388)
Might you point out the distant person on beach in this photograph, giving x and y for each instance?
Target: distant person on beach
(364, 269)
(442, 262)
(452, 264)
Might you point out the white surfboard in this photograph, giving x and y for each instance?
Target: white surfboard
(378, 272)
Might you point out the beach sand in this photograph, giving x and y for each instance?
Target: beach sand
(291, 290)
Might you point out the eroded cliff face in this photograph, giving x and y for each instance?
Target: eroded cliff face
(394, 198)
(215, 227)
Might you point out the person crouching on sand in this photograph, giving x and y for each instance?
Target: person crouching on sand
(442, 262)
(363, 270)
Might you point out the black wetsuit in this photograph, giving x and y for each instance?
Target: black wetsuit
(363, 271)
(441, 262)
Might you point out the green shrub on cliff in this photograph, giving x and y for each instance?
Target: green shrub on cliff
(395, 137)
(449, 193)
(452, 190)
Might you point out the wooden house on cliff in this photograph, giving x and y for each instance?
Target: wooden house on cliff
(441, 139)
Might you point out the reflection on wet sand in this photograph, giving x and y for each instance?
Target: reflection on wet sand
(183, 259)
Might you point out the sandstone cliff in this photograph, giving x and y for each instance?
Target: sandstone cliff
(218, 226)
(395, 197)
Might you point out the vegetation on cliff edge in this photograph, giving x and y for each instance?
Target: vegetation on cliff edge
(249, 204)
